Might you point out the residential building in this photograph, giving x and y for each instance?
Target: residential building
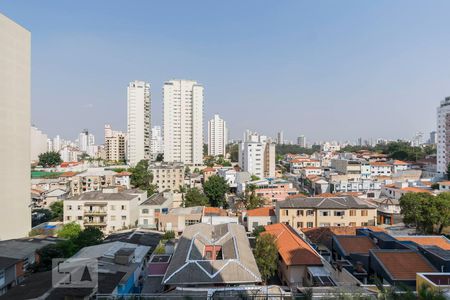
(115, 145)
(8, 279)
(177, 219)
(138, 121)
(96, 179)
(443, 136)
(297, 164)
(153, 207)
(296, 258)
(433, 138)
(183, 122)
(109, 209)
(217, 136)
(301, 212)
(157, 144)
(208, 172)
(217, 216)
(15, 64)
(270, 190)
(212, 255)
(380, 169)
(167, 176)
(399, 166)
(85, 141)
(301, 141)
(260, 216)
(257, 156)
(398, 189)
(280, 138)
(38, 143)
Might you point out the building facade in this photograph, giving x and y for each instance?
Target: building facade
(257, 155)
(217, 136)
(157, 144)
(183, 122)
(167, 176)
(139, 120)
(15, 65)
(38, 143)
(115, 144)
(443, 136)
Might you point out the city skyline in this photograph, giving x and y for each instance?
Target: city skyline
(380, 69)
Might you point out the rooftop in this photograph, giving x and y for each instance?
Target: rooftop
(21, 248)
(292, 248)
(97, 196)
(261, 212)
(402, 264)
(355, 244)
(212, 254)
(155, 199)
(427, 240)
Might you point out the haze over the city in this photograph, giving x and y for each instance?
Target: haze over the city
(332, 70)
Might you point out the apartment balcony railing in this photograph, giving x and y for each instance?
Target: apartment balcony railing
(94, 223)
(95, 212)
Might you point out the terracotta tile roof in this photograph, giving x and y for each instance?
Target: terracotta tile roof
(426, 240)
(399, 264)
(124, 173)
(216, 211)
(261, 212)
(323, 235)
(292, 248)
(380, 164)
(208, 170)
(355, 244)
(400, 162)
(68, 174)
(37, 191)
(415, 190)
(445, 182)
(330, 195)
(69, 164)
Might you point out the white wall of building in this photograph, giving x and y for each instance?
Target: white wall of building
(183, 122)
(217, 136)
(138, 120)
(15, 62)
(38, 141)
(443, 135)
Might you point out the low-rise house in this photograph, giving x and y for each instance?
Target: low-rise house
(389, 211)
(261, 216)
(208, 172)
(212, 256)
(378, 168)
(398, 189)
(8, 269)
(167, 176)
(301, 212)
(151, 209)
(296, 257)
(109, 209)
(94, 179)
(296, 165)
(216, 216)
(178, 218)
(308, 171)
(55, 195)
(399, 165)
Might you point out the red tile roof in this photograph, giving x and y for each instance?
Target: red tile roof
(403, 265)
(68, 174)
(356, 244)
(216, 211)
(400, 162)
(205, 170)
(415, 190)
(261, 212)
(124, 173)
(292, 248)
(69, 164)
(425, 240)
(379, 164)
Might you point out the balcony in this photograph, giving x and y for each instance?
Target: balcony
(94, 224)
(95, 213)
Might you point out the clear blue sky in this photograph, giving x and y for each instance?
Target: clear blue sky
(326, 69)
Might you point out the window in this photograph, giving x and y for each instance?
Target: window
(286, 212)
(68, 218)
(352, 224)
(124, 218)
(324, 225)
(113, 218)
(69, 207)
(310, 212)
(145, 211)
(123, 207)
(79, 207)
(113, 207)
(309, 224)
(255, 224)
(299, 224)
(299, 212)
(339, 213)
(190, 222)
(364, 224)
(324, 213)
(352, 212)
(80, 218)
(364, 213)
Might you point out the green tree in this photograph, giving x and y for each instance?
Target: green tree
(442, 211)
(255, 178)
(416, 209)
(209, 161)
(233, 150)
(160, 157)
(49, 159)
(250, 199)
(141, 177)
(257, 230)
(427, 293)
(215, 189)
(89, 237)
(266, 255)
(69, 231)
(47, 254)
(194, 197)
(168, 235)
(57, 209)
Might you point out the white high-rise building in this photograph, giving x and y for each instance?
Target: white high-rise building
(56, 143)
(443, 136)
(139, 135)
(157, 145)
(301, 141)
(257, 155)
(38, 141)
(183, 122)
(217, 136)
(85, 141)
(280, 138)
(15, 65)
(108, 131)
